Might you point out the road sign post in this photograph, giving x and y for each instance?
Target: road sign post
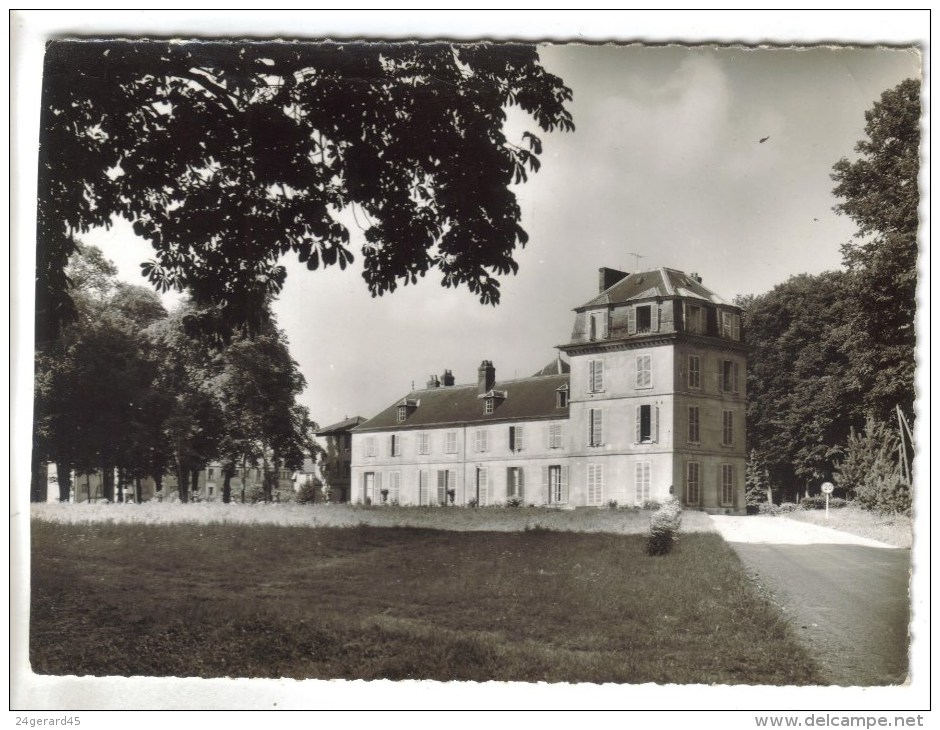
(827, 488)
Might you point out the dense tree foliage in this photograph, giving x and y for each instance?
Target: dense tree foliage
(226, 156)
(879, 191)
(125, 390)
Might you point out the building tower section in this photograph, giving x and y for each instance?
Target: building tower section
(657, 373)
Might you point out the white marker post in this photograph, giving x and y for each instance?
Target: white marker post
(827, 488)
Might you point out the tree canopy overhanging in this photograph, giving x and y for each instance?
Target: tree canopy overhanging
(228, 155)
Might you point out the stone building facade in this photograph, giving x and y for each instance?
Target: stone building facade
(650, 403)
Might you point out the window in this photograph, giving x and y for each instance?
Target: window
(694, 319)
(402, 413)
(647, 424)
(555, 481)
(394, 487)
(211, 473)
(562, 398)
(695, 372)
(595, 427)
(644, 371)
(693, 424)
(446, 482)
(728, 376)
(488, 406)
(726, 325)
(516, 438)
(595, 376)
(642, 482)
(480, 440)
(515, 482)
(644, 318)
(727, 428)
(211, 490)
(595, 484)
(424, 443)
(394, 445)
(423, 488)
(693, 486)
(483, 487)
(370, 446)
(727, 484)
(554, 436)
(450, 442)
(598, 325)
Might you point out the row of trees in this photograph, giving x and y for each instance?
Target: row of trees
(126, 390)
(832, 356)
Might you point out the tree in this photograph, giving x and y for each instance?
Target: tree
(871, 470)
(879, 192)
(227, 156)
(802, 394)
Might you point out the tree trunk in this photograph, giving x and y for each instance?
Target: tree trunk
(39, 479)
(64, 474)
(120, 484)
(195, 483)
(107, 482)
(137, 490)
(158, 482)
(227, 485)
(182, 478)
(265, 482)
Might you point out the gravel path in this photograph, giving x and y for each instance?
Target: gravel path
(782, 531)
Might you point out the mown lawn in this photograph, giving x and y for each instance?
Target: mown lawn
(399, 603)
(894, 530)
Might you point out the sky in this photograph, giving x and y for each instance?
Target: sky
(665, 168)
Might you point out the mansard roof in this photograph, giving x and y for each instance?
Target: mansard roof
(654, 283)
(344, 425)
(555, 367)
(456, 405)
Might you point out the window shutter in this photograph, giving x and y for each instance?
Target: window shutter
(520, 438)
(441, 486)
(422, 488)
(605, 324)
(512, 438)
(452, 479)
(521, 483)
(508, 482)
(654, 425)
(597, 427)
(736, 327)
(546, 485)
(378, 481)
(654, 318)
(631, 321)
(590, 438)
(639, 420)
(735, 377)
(483, 482)
(564, 484)
(550, 436)
(599, 375)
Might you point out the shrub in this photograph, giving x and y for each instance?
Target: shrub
(871, 471)
(664, 528)
(611, 504)
(767, 508)
(788, 507)
(513, 502)
(307, 494)
(652, 504)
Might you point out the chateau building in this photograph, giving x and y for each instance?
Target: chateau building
(650, 403)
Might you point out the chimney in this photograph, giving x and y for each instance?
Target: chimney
(448, 378)
(695, 276)
(434, 382)
(486, 376)
(609, 277)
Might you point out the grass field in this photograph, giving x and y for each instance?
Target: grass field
(489, 519)
(261, 600)
(893, 529)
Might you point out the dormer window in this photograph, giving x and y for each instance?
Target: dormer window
(561, 397)
(488, 406)
(406, 408)
(644, 318)
(491, 400)
(598, 324)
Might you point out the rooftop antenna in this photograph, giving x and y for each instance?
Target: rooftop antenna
(638, 257)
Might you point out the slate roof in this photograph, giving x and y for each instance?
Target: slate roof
(660, 282)
(526, 398)
(345, 425)
(555, 367)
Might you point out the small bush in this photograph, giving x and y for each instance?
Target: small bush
(788, 507)
(472, 502)
(611, 504)
(819, 502)
(513, 502)
(652, 504)
(664, 528)
(307, 494)
(768, 508)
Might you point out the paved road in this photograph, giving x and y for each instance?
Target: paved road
(846, 597)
